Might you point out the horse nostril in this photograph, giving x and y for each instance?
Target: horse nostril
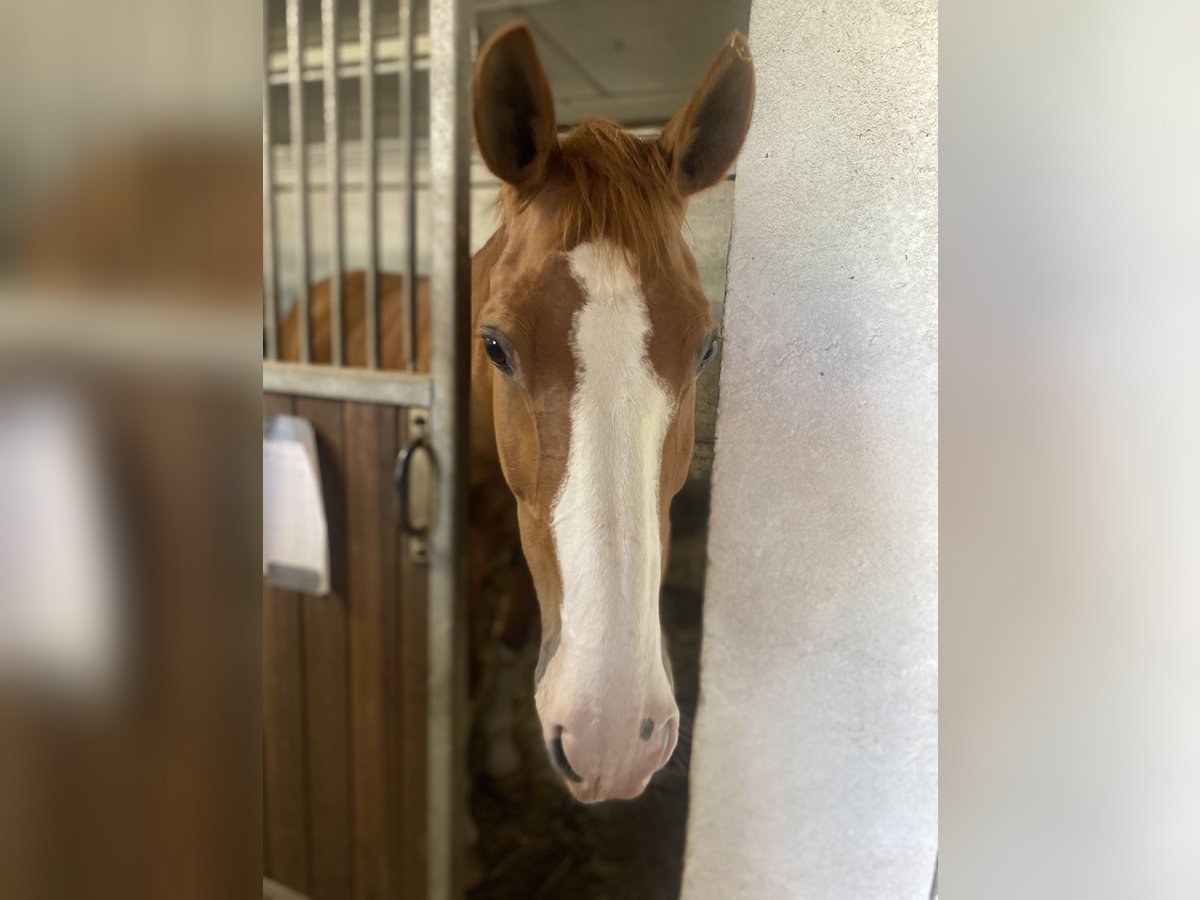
(647, 729)
(560, 757)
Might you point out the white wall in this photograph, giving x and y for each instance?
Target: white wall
(814, 772)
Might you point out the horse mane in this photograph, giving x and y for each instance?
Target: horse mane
(605, 182)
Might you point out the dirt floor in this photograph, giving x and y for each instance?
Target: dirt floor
(534, 840)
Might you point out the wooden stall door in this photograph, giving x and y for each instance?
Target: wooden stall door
(344, 680)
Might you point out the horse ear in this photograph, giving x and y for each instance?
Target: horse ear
(703, 139)
(512, 108)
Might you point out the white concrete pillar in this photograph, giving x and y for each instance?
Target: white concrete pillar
(814, 771)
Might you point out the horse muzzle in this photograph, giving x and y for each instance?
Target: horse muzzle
(607, 745)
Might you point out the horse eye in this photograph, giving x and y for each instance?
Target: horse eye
(709, 352)
(496, 353)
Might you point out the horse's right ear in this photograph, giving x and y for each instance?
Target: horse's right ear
(513, 109)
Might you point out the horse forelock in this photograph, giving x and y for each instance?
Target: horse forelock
(606, 184)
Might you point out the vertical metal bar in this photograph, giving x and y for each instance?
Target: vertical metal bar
(366, 36)
(295, 52)
(408, 143)
(333, 170)
(270, 287)
(451, 311)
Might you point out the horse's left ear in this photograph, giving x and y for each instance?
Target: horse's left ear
(703, 139)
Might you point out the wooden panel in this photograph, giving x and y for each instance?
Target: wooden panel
(411, 714)
(345, 681)
(325, 668)
(370, 434)
(285, 842)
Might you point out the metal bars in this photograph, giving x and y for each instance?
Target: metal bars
(333, 170)
(408, 147)
(270, 283)
(449, 138)
(296, 114)
(332, 54)
(366, 35)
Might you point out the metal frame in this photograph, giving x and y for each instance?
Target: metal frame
(366, 32)
(389, 60)
(449, 143)
(444, 392)
(270, 284)
(337, 383)
(295, 35)
(333, 168)
(408, 147)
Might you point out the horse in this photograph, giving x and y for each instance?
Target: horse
(591, 330)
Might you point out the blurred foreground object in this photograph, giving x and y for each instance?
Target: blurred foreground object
(59, 571)
(129, 656)
(1070, 434)
(129, 384)
(169, 217)
(129, 156)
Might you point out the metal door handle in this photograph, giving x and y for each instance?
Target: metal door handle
(403, 469)
(418, 532)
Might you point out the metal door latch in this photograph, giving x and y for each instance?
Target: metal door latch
(416, 486)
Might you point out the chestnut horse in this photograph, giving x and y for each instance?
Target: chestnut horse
(591, 332)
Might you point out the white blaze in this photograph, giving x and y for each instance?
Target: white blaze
(605, 519)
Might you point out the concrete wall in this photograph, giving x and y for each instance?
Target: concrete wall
(814, 772)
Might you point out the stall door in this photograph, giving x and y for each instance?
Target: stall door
(344, 678)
